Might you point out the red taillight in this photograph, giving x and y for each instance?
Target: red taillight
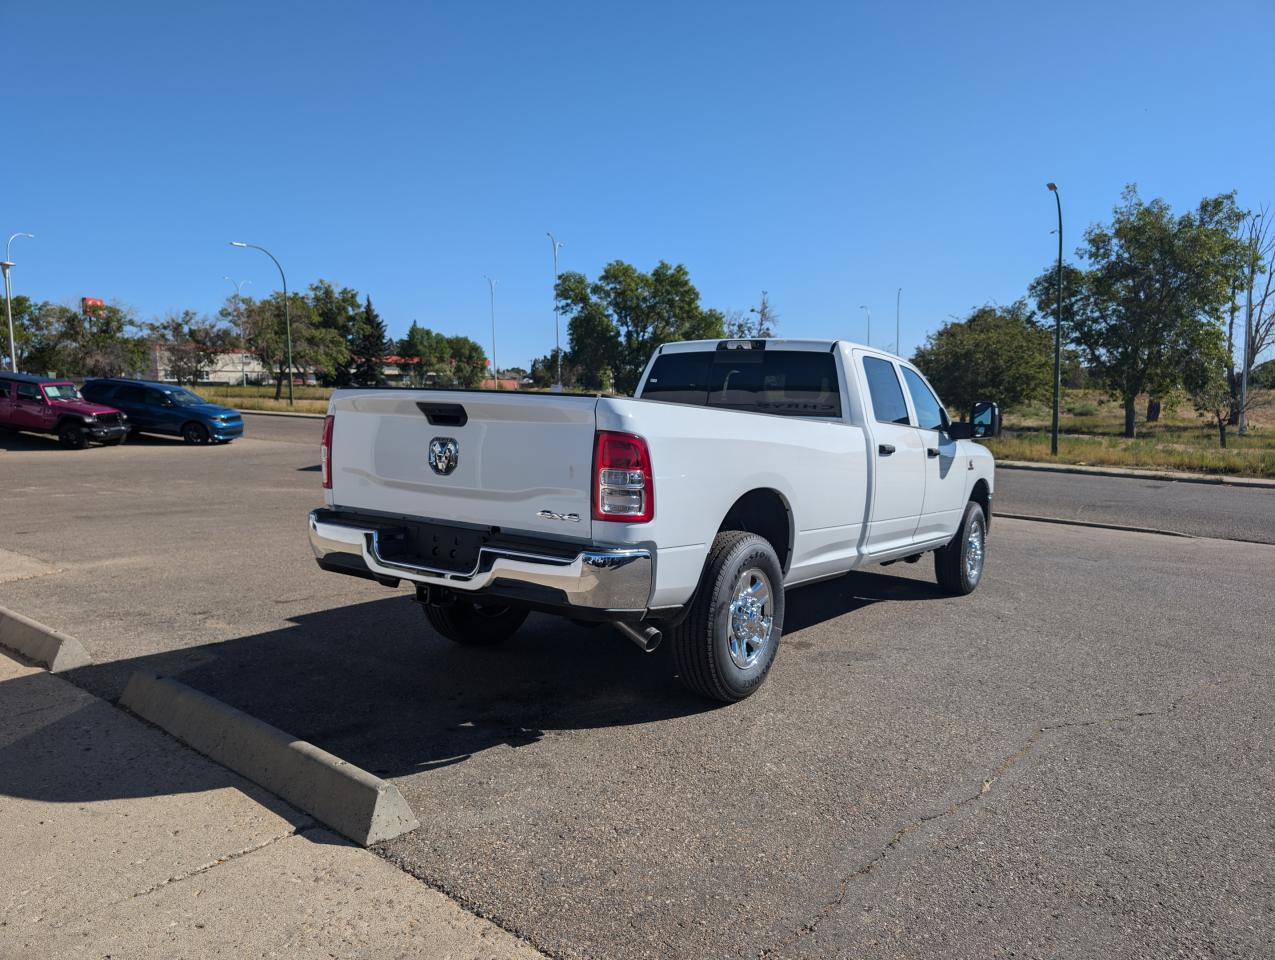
(622, 485)
(325, 453)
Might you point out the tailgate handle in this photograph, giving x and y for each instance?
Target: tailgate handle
(444, 414)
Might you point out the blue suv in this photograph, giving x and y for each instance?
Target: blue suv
(166, 408)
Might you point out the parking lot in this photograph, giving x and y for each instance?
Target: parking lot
(1074, 761)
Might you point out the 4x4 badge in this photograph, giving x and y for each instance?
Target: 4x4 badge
(444, 454)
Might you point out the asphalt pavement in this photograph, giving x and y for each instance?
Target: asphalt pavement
(1196, 509)
(1075, 761)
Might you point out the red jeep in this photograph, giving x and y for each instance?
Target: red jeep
(44, 405)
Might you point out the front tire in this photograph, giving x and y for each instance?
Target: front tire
(475, 624)
(959, 565)
(195, 433)
(72, 436)
(726, 645)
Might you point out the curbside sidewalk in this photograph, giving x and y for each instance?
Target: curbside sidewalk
(120, 841)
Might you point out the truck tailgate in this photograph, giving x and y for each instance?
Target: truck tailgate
(523, 461)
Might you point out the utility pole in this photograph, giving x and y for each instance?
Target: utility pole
(238, 284)
(1053, 430)
(495, 370)
(557, 343)
(8, 299)
(287, 316)
(869, 313)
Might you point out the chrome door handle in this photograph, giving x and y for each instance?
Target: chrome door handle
(885, 449)
(931, 452)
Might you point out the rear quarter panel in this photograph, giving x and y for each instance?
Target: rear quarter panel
(705, 459)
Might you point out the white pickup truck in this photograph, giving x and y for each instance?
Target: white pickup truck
(740, 469)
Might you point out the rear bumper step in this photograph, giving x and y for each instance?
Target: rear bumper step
(598, 578)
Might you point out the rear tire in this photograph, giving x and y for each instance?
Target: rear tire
(959, 565)
(72, 436)
(475, 624)
(726, 645)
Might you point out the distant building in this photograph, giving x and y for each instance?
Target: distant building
(230, 366)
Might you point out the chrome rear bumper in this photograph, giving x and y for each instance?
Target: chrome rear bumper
(609, 578)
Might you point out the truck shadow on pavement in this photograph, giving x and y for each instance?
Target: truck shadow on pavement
(374, 685)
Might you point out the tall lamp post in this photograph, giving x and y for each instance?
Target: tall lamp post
(869, 313)
(287, 316)
(557, 342)
(898, 312)
(8, 299)
(1053, 430)
(243, 359)
(495, 370)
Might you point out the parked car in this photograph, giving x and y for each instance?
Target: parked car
(740, 469)
(49, 405)
(166, 408)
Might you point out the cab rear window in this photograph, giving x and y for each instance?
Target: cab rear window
(790, 383)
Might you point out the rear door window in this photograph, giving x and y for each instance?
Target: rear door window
(790, 383)
(28, 391)
(888, 404)
(130, 395)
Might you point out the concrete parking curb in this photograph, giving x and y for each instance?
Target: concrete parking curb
(40, 644)
(283, 413)
(344, 797)
(1135, 474)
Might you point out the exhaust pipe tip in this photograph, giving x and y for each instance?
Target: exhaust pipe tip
(647, 638)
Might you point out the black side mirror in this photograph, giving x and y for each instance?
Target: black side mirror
(985, 420)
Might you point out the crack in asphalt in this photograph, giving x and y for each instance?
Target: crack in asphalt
(843, 885)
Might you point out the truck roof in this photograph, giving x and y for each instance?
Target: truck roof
(775, 343)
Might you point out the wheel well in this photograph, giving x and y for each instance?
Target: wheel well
(765, 513)
(70, 418)
(983, 497)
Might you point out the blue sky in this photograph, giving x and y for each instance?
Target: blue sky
(828, 153)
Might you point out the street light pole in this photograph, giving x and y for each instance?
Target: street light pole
(869, 313)
(8, 299)
(898, 311)
(1053, 430)
(495, 370)
(287, 316)
(557, 342)
(243, 361)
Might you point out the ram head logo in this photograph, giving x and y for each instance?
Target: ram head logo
(444, 454)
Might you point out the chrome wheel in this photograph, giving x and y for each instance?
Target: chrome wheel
(751, 618)
(974, 552)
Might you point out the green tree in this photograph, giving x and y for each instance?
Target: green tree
(338, 310)
(369, 348)
(997, 353)
(434, 352)
(544, 370)
(103, 343)
(25, 312)
(759, 322)
(263, 332)
(469, 363)
(617, 321)
(1206, 376)
(1150, 278)
(191, 344)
